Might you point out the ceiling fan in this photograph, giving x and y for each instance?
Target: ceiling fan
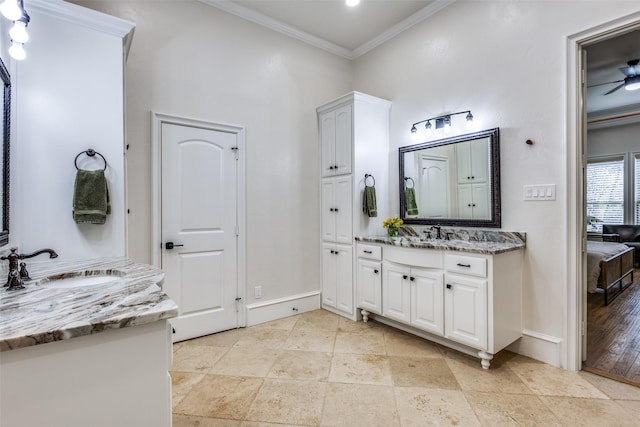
(632, 79)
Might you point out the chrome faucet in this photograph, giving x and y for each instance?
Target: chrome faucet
(18, 276)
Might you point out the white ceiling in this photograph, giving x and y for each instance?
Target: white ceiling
(352, 31)
(331, 24)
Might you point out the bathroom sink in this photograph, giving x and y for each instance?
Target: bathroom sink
(80, 280)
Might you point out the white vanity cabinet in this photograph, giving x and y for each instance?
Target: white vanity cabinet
(468, 301)
(354, 137)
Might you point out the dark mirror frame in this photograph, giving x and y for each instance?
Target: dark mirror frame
(6, 134)
(496, 216)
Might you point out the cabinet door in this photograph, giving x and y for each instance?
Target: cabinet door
(465, 305)
(463, 162)
(344, 278)
(329, 216)
(343, 210)
(481, 201)
(329, 277)
(343, 140)
(396, 293)
(478, 151)
(465, 201)
(427, 303)
(370, 285)
(328, 142)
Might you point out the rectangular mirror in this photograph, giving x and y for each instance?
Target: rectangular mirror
(452, 181)
(4, 161)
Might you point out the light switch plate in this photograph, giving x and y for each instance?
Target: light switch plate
(539, 192)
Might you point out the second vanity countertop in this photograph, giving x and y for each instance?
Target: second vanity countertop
(41, 314)
(480, 247)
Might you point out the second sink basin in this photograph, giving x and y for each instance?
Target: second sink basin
(81, 279)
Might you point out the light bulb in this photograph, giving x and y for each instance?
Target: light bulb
(17, 51)
(353, 2)
(19, 33)
(447, 124)
(11, 10)
(427, 129)
(632, 83)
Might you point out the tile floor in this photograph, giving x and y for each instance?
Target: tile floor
(319, 369)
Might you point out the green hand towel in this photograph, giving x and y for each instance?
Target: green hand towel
(91, 203)
(410, 200)
(369, 205)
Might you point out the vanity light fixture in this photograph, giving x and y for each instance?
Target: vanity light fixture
(441, 122)
(15, 11)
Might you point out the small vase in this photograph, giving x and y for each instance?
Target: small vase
(392, 231)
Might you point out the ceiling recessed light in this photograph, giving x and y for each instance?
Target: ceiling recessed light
(353, 2)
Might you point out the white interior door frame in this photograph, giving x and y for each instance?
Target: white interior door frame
(575, 161)
(157, 119)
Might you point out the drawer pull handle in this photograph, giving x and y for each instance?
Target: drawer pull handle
(368, 252)
(448, 285)
(375, 271)
(464, 265)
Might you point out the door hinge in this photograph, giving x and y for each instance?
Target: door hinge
(237, 230)
(235, 151)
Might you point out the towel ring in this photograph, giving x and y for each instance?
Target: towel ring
(366, 175)
(91, 153)
(406, 182)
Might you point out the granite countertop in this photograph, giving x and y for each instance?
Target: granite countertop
(42, 313)
(481, 247)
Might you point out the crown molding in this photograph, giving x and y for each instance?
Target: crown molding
(78, 15)
(275, 25)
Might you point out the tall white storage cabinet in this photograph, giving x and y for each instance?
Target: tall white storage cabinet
(354, 140)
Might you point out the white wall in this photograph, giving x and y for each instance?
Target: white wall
(614, 140)
(505, 61)
(192, 60)
(68, 97)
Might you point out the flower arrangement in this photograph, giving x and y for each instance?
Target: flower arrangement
(392, 224)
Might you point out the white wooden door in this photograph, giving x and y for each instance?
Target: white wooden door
(344, 278)
(434, 188)
(199, 216)
(343, 140)
(344, 212)
(465, 306)
(370, 285)
(329, 276)
(329, 214)
(328, 142)
(427, 301)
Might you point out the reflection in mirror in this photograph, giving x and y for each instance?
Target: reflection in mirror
(453, 181)
(4, 161)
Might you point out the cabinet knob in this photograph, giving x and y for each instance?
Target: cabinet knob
(405, 277)
(331, 167)
(473, 177)
(448, 285)
(330, 209)
(335, 166)
(336, 209)
(469, 205)
(412, 278)
(468, 177)
(375, 271)
(474, 205)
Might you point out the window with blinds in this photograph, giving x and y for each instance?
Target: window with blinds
(605, 192)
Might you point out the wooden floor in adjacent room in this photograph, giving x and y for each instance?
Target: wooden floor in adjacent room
(613, 335)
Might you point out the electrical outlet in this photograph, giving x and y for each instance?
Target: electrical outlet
(257, 292)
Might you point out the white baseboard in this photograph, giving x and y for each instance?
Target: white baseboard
(542, 347)
(282, 307)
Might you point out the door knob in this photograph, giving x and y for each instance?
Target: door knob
(171, 245)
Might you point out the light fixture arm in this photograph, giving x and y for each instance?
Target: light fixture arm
(444, 117)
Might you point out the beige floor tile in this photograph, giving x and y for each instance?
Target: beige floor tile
(359, 405)
(268, 338)
(348, 325)
(422, 372)
(398, 343)
(196, 358)
(318, 319)
(259, 424)
(181, 385)
(611, 388)
(370, 342)
(286, 324)
(632, 406)
(221, 339)
(420, 407)
(288, 402)
(497, 379)
(307, 339)
(191, 421)
(219, 396)
(547, 380)
(511, 410)
(360, 369)
(302, 365)
(589, 412)
(252, 362)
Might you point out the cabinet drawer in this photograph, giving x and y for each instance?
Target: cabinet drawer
(464, 264)
(370, 252)
(426, 258)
